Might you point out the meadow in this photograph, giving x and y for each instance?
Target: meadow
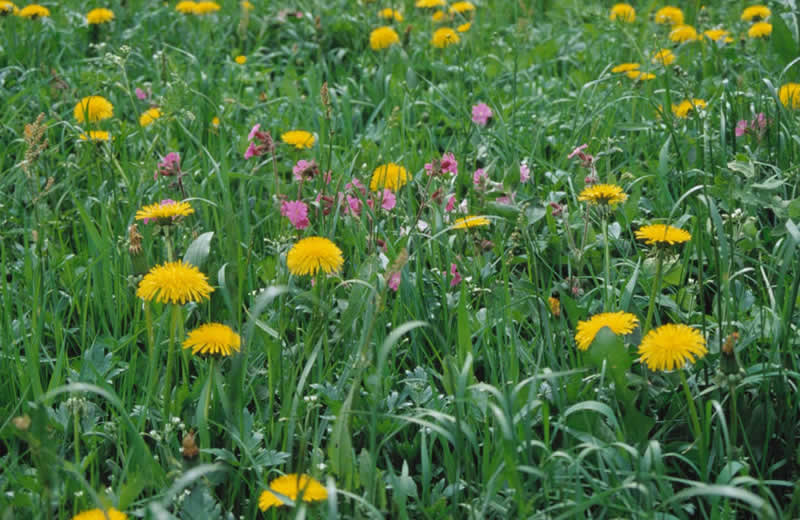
(413, 259)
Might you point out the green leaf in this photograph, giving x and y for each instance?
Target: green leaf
(782, 41)
(198, 251)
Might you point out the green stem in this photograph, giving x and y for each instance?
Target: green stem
(76, 433)
(698, 432)
(608, 264)
(175, 317)
(653, 294)
(151, 352)
(207, 403)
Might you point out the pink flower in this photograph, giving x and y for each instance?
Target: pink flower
(252, 151)
(577, 151)
(456, 276)
(506, 199)
(253, 131)
(741, 127)
(479, 176)
(394, 281)
(451, 204)
(297, 213)
(760, 121)
(304, 170)
(481, 114)
(449, 164)
(140, 94)
(557, 208)
(388, 200)
(524, 173)
(355, 184)
(354, 205)
(169, 165)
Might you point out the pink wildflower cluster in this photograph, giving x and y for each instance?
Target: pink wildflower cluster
(297, 213)
(455, 275)
(587, 161)
(447, 164)
(756, 127)
(351, 201)
(481, 113)
(170, 166)
(260, 142)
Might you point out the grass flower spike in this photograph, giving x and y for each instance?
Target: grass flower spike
(213, 339)
(670, 346)
(311, 254)
(292, 486)
(620, 323)
(174, 282)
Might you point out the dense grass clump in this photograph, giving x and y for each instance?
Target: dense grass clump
(419, 259)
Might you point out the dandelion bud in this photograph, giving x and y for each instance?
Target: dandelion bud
(189, 448)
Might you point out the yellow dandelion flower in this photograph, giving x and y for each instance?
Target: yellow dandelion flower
(391, 176)
(760, 30)
(670, 346)
(623, 13)
(206, 7)
(186, 7)
(438, 16)
(470, 221)
(164, 210)
(640, 76)
(174, 282)
(625, 67)
(292, 486)
(99, 514)
(390, 14)
(685, 107)
(241, 60)
(93, 109)
(7, 7)
(621, 323)
(298, 138)
(789, 94)
(425, 4)
(149, 116)
(756, 12)
(311, 254)
(464, 27)
(213, 338)
(462, 7)
(99, 15)
(669, 15)
(95, 135)
(604, 194)
(662, 234)
(664, 57)
(247, 6)
(717, 35)
(34, 11)
(382, 38)
(215, 121)
(683, 34)
(444, 37)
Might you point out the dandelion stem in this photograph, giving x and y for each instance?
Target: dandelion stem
(607, 263)
(698, 432)
(173, 325)
(653, 293)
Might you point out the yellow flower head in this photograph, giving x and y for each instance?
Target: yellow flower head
(760, 30)
(664, 57)
(99, 15)
(149, 116)
(390, 14)
(7, 7)
(444, 37)
(789, 94)
(292, 486)
(247, 6)
(462, 7)
(604, 194)
(685, 107)
(620, 323)
(470, 221)
(174, 282)
(164, 212)
(640, 76)
(464, 27)
(625, 67)
(311, 254)
(213, 338)
(438, 16)
(670, 346)
(298, 138)
(662, 234)
(99, 514)
(215, 121)
(683, 34)
(669, 15)
(429, 3)
(623, 13)
(241, 60)
(391, 176)
(717, 35)
(756, 12)
(186, 7)
(382, 38)
(34, 11)
(95, 135)
(93, 109)
(206, 7)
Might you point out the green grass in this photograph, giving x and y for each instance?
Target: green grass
(432, 401)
